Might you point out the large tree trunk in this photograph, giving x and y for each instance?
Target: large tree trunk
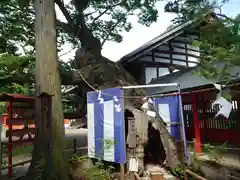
(106, 74)
(48, 81)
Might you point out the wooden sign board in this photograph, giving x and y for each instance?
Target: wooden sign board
(131, 138)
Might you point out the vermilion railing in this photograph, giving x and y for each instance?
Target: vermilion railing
(210, 129)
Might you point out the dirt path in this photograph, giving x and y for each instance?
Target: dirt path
(81, 141)
(19, 170)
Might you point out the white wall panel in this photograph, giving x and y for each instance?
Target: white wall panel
(191, 64)
(181, 57)
(193, 59)
(178, 50)
(163, 71)
(195, 53)
(181, 63)
(163, 60)
(150, 72)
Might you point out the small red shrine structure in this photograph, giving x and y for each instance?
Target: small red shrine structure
(198, 95)
(201, 123)
(18, 122)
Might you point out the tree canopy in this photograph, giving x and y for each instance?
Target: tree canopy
(219, 40)
(89, 24)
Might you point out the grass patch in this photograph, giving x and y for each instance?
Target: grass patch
(22, 150)
(18, 150)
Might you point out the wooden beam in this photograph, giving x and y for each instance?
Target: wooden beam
(21, 121)
(176, 53)
(171, 51)
(183, 42)
(20, 132)
(153, 55)
(186, 51)
(164, 64)
(24, 105)
(179, 47)
(187, 171)
(149, 64)
(21, 142)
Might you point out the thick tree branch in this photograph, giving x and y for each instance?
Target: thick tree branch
(64, 26)
(64, 11)
(80, 30)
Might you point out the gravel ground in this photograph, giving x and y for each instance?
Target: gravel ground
(81, 141)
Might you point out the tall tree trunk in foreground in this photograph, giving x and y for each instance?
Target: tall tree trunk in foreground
(48, 81)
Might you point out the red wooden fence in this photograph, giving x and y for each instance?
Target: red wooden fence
(19, 122)
(209, 128)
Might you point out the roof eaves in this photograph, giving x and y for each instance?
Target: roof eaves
(168, 35)
(15, 97)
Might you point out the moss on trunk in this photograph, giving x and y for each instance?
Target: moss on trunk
(48, 160)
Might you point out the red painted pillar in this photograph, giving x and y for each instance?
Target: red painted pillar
(238, 117)
(204, 118)
(196, 124)
(10, 113)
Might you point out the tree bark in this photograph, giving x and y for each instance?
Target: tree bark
(107, 74)
(48, 81)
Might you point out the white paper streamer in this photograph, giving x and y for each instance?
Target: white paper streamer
(133, 165)
(151, 113)
(150, 100)
(225, 107)
(145, 105)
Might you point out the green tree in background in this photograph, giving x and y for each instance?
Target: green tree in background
(219, 41)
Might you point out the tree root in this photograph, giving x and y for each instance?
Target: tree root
(73, 175)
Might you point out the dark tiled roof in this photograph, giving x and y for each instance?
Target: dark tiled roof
(15, 97)
(187, 79)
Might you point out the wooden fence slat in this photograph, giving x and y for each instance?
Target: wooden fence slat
(21, 142)
(20, 132)
(20, 121)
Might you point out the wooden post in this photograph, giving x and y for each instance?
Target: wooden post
(46, 116)
(1, 122)
(238, 114)
(10, 116)
(75, 146)
(204, 117)
(196, 123)
(47, 80)
(122, 172)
